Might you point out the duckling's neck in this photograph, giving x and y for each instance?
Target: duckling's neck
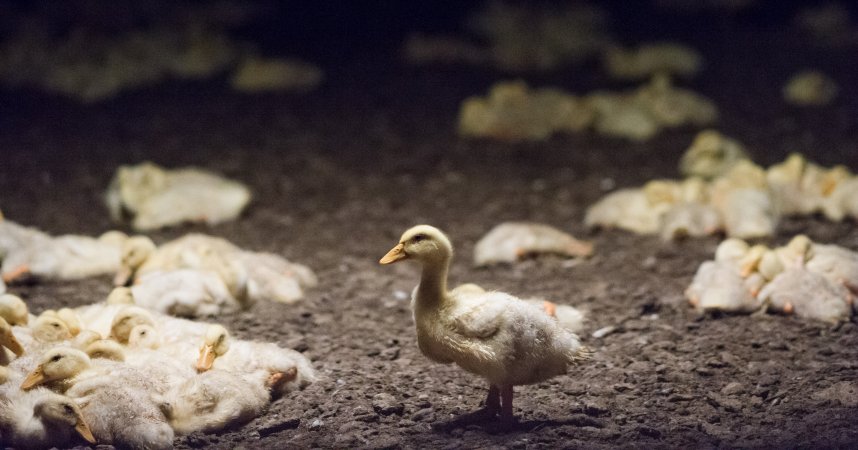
(432, 291)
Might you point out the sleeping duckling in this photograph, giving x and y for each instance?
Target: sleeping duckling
(835, 263)
(41, 419)
(60, 367)
(286, 369)
(273, 277)
(511, 241)
(14, 310)
(135, 251)
(184, 293)
(807, 294)
(495, 335)
(216, 399)
(48, 328)
(626, 209)
(68, 317)
(711, 154)
(126, 319)
(718, 286)
(122, 414)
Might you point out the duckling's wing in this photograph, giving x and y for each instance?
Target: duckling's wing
(480, 316)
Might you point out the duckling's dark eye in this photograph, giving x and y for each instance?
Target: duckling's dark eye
(55, 325)
(68, 409)
(56, 358)
(419, 237)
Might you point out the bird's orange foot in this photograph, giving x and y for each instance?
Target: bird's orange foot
(788, 308)
(278, 379)
(16, 273)
(550, 308)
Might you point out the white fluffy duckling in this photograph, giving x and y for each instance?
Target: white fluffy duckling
(216, 399)
(743, 199)
(690, 219)
(496, 336)
(835, 263)
(41, 419)
(122, 414)
(718, 286)
(807, 294)
(626, 209)
(286, 369)
(711, 155)
(156, 197)
(13, 310)
(29, 252)
(274, 278)
(60, 368)
(512, 241)
(184, 293)
(126, 319)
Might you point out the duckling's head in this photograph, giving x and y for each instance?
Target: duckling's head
(126, 319)
(71, 320)
(106, 349)
(57, 364)
(751, 261)
(731, 250)
(144, 336)
(13, 309)
(50, 328)
(120, 296)
(800, 248)
(84, 338)
(216, 344)
(61, 411)
(135, 251)
(8, 340)
(770, 265)
(424, 243)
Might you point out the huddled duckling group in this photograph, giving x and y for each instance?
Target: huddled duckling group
(804, 278)
(121, 375)
(514, 112)
(742, 199)
(198, 275)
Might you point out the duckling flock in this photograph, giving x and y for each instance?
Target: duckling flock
(134, 370)
(122, 375)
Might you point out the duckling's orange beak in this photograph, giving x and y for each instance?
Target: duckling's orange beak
(207, 357)
(395, 254)
(35, 378)
(83, 430)
(121, 278)
(11, 343)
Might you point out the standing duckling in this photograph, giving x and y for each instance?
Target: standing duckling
(496, 335)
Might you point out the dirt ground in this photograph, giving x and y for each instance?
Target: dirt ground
(338, 174)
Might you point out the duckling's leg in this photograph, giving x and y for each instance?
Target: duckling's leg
(506, 407)
(493, 403)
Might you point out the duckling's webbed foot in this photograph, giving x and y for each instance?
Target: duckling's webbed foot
(278, 379)
(16, 273)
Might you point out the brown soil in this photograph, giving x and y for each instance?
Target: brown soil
(338, 174)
